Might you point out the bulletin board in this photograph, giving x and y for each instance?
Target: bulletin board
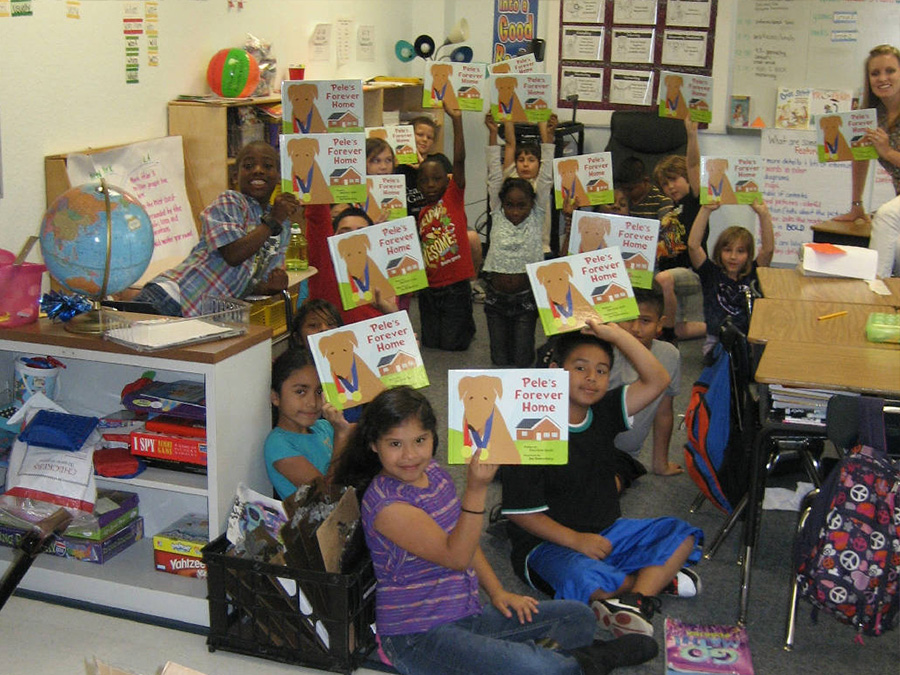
(611, 52)
(818, 44)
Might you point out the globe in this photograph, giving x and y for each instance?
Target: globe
(74, 234)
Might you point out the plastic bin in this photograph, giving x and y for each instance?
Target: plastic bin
(20, 291)
(303, 617)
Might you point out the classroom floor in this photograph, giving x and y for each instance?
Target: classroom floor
(42, 638)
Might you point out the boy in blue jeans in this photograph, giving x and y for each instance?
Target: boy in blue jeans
(567, 536)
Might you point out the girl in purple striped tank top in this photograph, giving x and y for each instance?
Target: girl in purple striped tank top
(424, 542)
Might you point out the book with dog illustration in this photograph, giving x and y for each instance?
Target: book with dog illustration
(401, 138)
(706, 649)
(570, 290)
(519, 64)
(521, 97)
(357, 362)
(731, 180)
(516, 416)
(635, 237)
(586, 179)
(828, 101)
(460, 85)
(385, 197)
(682, 95)
(841, 137)
(385, 259)
(322, 106)
(324, 168)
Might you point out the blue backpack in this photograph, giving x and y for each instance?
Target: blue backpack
(711, 435)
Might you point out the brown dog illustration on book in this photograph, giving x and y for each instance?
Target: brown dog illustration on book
(570, 183)
(354, 380)
(371, 205)
(719, 185)
(483, 424)
(304, 113)
(441, 86)
(675, 103)
(364, 275)
(836, 145)
(508, 104)
(307, 179)
(593, 231)
(567, 303)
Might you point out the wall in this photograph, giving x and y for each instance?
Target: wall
(64, 89)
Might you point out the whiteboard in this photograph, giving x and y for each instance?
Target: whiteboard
(806, 43)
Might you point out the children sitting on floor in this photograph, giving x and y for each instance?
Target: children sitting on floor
(660, 414)
(567, 535)
(728, 276)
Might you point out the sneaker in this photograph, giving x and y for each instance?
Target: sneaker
(686, 584)
(630, 613)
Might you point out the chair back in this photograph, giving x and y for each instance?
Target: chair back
(646, 135)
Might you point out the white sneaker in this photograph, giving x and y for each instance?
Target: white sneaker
(686, 584)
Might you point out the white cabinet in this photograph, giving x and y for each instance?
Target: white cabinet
(236, 373)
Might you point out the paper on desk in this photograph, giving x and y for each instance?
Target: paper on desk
(782, 499)
(163, 333)
(852, 262)
(878, 286)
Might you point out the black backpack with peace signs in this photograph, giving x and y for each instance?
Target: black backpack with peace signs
(848, 553)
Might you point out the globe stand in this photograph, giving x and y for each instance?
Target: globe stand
(90, 323)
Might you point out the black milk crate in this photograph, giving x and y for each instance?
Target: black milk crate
(296, 616)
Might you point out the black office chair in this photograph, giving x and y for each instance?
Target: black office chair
(646, 135)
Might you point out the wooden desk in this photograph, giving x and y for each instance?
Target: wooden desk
(791, 321)
(789, 284)
(831, 366)
(847, 233)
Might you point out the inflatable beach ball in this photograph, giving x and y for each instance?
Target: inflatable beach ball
(233, 73)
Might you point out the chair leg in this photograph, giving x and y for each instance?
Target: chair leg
(725, 530)
(789, 630)
(697, 503)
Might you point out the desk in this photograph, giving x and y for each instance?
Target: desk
(789, 284)
(791, 321)
(845, 232)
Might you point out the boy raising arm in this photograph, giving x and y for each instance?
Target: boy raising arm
(568, 539)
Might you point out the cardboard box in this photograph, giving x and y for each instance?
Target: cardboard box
(113, 510)
(82, 549)
(178, 549)
(170, 448)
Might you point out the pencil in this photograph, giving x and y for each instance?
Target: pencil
(832, 316)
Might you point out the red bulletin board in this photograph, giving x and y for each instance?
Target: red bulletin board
(625, 25)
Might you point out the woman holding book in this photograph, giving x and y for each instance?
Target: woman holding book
(882, 92)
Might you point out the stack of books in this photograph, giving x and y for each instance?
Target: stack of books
(795, 405)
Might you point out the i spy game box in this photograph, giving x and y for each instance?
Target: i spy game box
(168, 447)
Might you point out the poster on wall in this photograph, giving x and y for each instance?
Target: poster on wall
(515, 22)
(153, 172)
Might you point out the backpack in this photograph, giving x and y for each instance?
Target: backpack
(848, 553)
(712, 453)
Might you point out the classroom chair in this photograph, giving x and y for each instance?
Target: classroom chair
(646, 135)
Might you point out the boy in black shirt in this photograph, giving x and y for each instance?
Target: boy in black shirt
(566, 533)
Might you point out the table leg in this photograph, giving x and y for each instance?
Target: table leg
(752, 517)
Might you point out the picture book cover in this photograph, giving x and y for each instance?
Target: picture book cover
(635, 237)
(841, 137)
(520, 64)
(792, 108)
(461, 85)
(384, 258)
(385, 197)
(731, 180)
(827, 101)
(516, 416)
(324, 168)
(358, 361)
(740, 111)
(401, 138)
(521, 97)
(706, 649)
(586, 179)
(322, 106)
(682, 95)
(570, 290)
